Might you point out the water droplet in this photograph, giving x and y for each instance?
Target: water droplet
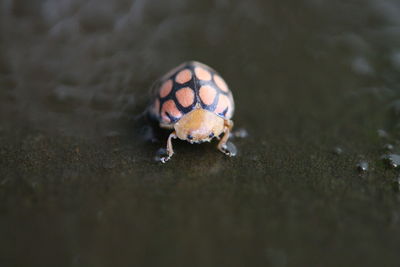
(388, 147)
(360, 65)
(362, 166)
(231, 149)
(392, 159)
(338, 150)
(161, 153)
(382, 133)
(241, 133)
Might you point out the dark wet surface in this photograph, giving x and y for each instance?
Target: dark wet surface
(316, 85)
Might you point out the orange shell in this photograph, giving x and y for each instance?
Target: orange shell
(189, 86)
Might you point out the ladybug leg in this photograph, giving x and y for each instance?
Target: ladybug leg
(170, 150)
(224, 146)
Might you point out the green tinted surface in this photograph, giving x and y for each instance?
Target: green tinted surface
(315, 84)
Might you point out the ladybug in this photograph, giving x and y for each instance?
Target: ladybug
(195, 102)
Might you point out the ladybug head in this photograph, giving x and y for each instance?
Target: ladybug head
(199, 126)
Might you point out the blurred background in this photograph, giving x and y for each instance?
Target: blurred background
(317, 88)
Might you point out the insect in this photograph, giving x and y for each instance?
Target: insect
(195, 102)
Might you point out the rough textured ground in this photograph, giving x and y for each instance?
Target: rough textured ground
(316, 85)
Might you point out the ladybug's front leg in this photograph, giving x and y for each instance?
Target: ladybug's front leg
(224, 146)
(170, 150)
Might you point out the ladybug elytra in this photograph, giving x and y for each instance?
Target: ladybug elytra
(194, 101)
